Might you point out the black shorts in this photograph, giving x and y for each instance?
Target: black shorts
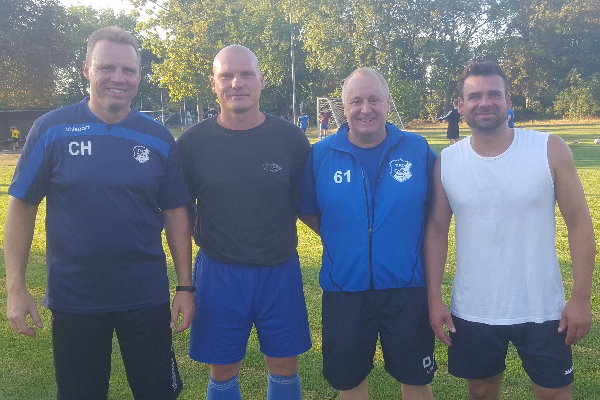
(352, 322)
(479, 350)
(452, 132)
(82, 346)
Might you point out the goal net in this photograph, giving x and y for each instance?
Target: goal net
(335, 108)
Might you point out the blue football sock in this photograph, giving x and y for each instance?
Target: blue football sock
(284, 387)
(224, 390)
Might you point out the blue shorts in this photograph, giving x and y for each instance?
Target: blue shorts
(230, 299)
(352, 323)
(479, 350)
(324, 126)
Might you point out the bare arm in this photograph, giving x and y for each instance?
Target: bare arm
(178, 232)
(435, 253)
(18, 235)
(312, 221)
(577, 315)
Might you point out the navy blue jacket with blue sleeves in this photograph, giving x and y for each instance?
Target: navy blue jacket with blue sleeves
(370, 240)
(105, 188)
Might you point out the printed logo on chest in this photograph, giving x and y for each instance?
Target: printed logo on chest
(272, 167)
(400, 170)
(141, 154)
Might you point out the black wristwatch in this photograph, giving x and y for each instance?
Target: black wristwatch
(185, 288)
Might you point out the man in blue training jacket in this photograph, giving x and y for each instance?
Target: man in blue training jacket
(365, 191)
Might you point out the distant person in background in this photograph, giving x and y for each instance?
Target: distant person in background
(303, 122)
(510, 117)
(453, 118)
(324, 123)
(211, 112)
(15, 135)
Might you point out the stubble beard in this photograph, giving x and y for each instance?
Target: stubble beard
(488, 126)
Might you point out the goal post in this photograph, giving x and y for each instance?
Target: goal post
(335, 108)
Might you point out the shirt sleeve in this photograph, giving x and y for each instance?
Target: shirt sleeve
(173, 190)
(308, 194)
(33, 172)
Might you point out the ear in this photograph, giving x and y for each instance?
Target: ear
(86, 70)
(508, 102)
(461, 104)
(212, 84)
(262, 81)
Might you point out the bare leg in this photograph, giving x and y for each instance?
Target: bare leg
(286, 366)
(360, 392)
(485, 389)
(224, 372)
(411, 392)
(563, 393)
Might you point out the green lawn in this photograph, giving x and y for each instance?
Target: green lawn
(26, 364)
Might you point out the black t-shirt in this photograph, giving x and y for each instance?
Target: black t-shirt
(245, 183)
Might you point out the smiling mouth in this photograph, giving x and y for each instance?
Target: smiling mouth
(117, 91)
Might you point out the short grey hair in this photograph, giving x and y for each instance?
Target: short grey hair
(365, 70)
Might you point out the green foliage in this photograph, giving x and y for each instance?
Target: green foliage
(547, 39)
(33, 47)
(580, 100)
(187, 35)
(408, 97)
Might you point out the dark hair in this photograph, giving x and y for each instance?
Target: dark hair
(112, 34)
(481, 68)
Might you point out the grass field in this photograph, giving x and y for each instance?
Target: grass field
(27, 368)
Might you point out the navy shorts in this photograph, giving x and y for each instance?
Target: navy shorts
(352, 322)
(82, 346)
(479, 350)
(230, 299)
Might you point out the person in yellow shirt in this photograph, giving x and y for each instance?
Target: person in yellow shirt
(15, 134)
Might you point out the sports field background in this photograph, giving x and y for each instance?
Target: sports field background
(26, 368)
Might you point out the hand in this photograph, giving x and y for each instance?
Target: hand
(576, 318)
(439, 316)
(183, 303)
(20, 304)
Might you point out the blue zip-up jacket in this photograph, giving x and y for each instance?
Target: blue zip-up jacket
(370, 240)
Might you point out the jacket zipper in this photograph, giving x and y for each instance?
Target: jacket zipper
(371, 218)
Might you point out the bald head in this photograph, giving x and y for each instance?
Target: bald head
(233, 53)
(237, 82)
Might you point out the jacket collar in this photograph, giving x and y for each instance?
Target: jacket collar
(340, 141)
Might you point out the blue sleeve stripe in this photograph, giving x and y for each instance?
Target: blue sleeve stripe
(28, 172)
(30, 168)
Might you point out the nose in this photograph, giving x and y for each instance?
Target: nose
(365, 107)
(117, 75)
(236, 82)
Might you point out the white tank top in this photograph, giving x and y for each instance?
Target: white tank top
(507, 271)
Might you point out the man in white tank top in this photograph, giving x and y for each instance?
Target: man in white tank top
(502, 184)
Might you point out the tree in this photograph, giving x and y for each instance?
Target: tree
(186, 35)
(546, 40)
(33, 47)
(580, 99)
